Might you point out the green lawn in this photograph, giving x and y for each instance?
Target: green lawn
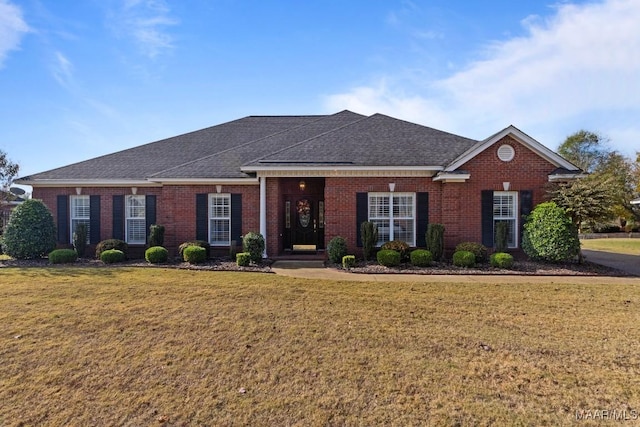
(147, 346)
(617, 245)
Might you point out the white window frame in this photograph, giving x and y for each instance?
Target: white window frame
(219, 214)
(134, 215)
(79, 214)
(385, 213)
(500, 215)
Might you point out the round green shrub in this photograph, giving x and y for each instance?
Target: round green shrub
(194, 254)
(202, 243)
(62, 256)
(501, 260)
(30, 232)
(388, 257)
(550, 235)
(348, 261)
(253, 243)
(399, 246)
(109, 244)
(479, 251)
(336, 249)
(464, 259)
(156, 255)
(243, 259)
(421, 258)
(111, 256)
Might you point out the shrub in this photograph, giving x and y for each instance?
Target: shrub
(421, 258)
(435, 240)
(464, 259)
(336, 249)
(399, 246)
(201, 243)
(194, 254)
(156, 255)
(502, 236)
(253, 243)
(388, 257)
(243, 259)
(477, 249)
(550, 235)
(109, 244)
(348, 261)
(80, 239)
(369, 235)
(501, 260)
(63, 256)
(111, 256)
(30, 232)
(156, 235)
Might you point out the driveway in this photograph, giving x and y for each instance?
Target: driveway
(628, 263)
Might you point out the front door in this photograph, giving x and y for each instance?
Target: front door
(304, 223)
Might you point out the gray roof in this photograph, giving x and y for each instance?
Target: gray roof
(222, 151)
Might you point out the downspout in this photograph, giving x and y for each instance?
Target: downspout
(263, 212)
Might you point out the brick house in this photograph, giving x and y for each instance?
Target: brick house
(302, 180)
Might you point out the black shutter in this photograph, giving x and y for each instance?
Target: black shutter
(487, 218)
(149, 213)
(362, 214)
(422, 219)
(63, 219)
(236, 218)
(94, 219)
(526, 206)
(202, 217)
(118, 217)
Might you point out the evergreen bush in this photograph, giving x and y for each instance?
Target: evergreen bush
(502, 236)
(194, 254)
(109, 244)
(348, 261)
(369, 234)
(156, 255)
(156, 235)
(202, 243)
(253, 243)
(478, 250)
(111, 256)
(30, 232)
(550, 235)
(421, 258)
(464, 259)
(80, 239)
(435, 240)
(388, 257)
(336, 249)
(243, 259)
(399, 246)
(501, 260)
(62, 256)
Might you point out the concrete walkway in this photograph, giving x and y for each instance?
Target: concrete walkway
(628, 263)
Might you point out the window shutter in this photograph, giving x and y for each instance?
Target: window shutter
(202, 217)
(149, 212)
(118, 217)
(422, 218)
(526, 206)
(63, 219)
(487, 218)
(236, 218)
(362, 214)
(94, 219)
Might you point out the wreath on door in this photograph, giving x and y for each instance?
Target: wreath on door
(304, 212)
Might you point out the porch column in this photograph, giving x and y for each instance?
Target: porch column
(263, 212)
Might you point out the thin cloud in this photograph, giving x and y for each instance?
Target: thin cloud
(62, 70)
(12, 28)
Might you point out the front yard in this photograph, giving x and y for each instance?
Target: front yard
(154, 346)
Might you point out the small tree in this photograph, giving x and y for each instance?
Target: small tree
(550, 235)
(253, 243)
(30, 232)
(156, 235)
(80, 239)
(369, 233)
(502, 236)
(435, 240)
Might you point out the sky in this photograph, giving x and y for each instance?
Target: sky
(79, 79)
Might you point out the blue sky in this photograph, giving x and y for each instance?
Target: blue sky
(80, 79)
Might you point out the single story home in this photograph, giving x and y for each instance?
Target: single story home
(302, 180)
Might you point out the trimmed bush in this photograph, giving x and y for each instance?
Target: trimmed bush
(478, 250)
(156, 235)
(194, 254)
(156, 255)
(336, 249)
(399, 246)
(550, 235)
(502, 236)
(80, 239)
(201, 243)
(30, 232)
(63, 256)
(111, 256)
(501, 260)
(369, 235)
(109, 244)
(421, 258)
(435, 240)
(388, 257)
(348, 261)
(253, 243)
(464, 259)
(243, 259)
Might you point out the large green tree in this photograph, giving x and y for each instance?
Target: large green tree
(8, 171)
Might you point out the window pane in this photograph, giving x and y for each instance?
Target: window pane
(74, 224)
(80, 206)
(135, 206)
(403, 206)
(220, 232)
(220, 206)
(383, 231)
(136, 231)
(378, 207)
(403, 230)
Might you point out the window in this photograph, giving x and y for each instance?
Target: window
(80, 214)
(394, 215)
(136, 224)
(505, 208)
(220, 219)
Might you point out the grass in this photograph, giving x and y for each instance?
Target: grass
(617, 245)
(127, 346)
